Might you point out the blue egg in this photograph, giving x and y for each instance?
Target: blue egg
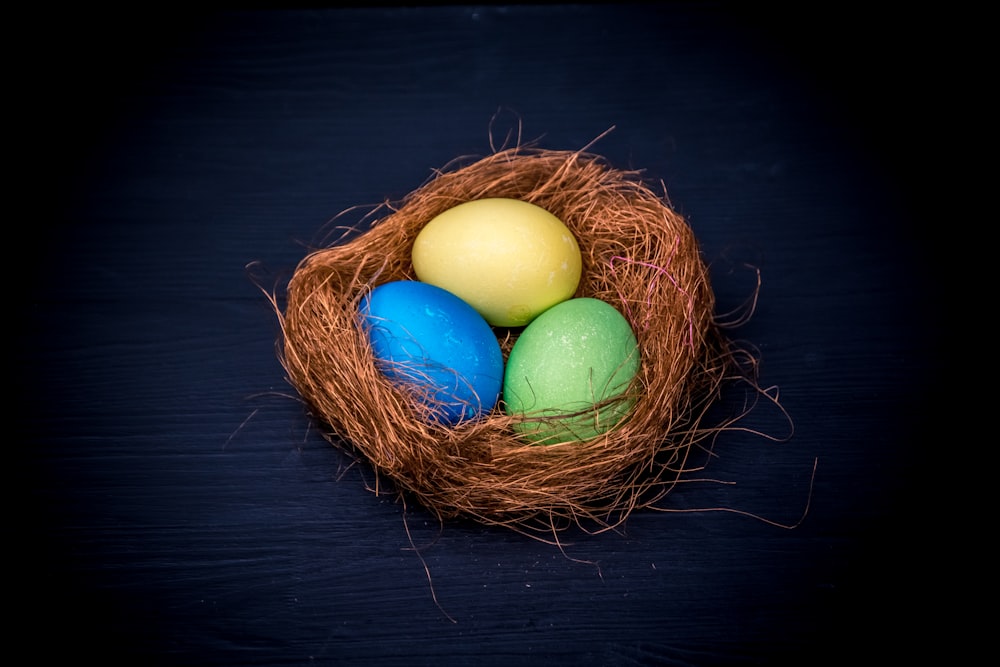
(428, 338)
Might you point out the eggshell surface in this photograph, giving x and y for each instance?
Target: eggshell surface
(425, 337)
(509, 259)
(571, 358)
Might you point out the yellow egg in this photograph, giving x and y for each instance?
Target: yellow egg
(509, 259)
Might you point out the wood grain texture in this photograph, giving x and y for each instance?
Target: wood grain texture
(184, 510)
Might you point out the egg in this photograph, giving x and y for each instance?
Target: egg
(574, 356)
(509, 259)
(426, 338)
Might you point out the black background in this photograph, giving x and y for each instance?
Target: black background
(181, 509)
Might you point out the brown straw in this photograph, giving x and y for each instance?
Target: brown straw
(638, 255)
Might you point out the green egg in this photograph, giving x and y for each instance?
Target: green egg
(569, 372)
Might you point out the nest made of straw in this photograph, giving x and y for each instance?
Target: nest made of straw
(638, 255)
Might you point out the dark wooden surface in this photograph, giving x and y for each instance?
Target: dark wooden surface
(181, 508)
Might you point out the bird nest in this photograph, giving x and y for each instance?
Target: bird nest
(638, 255)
